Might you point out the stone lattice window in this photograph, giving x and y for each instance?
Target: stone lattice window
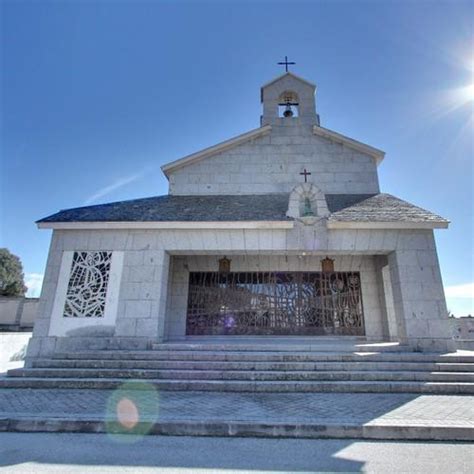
(87, 288)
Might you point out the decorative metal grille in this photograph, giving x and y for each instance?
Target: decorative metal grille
(87, 288)
(275, 303)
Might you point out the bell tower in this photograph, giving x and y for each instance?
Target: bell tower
(289, 97)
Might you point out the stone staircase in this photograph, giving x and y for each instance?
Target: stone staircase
(248, 366)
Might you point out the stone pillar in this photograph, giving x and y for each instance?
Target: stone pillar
(177, 299)
(143, 296)
(380, 262)
(418, 294)
(153, 326)
(389, 305)
(162, 278)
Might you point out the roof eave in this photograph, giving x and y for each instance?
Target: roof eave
(387, 225)
(377, 154)
(213, 150)
(179, 225)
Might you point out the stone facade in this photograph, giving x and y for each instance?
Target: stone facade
(402, 290)
(272, 163)
(412, 308)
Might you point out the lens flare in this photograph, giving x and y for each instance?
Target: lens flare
(127, 413)
(132, 410)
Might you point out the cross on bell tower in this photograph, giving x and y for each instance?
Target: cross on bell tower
(286, 63)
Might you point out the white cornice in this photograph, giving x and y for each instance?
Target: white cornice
(220, 147)
(178, 225)
(350, 143)
(387, 225)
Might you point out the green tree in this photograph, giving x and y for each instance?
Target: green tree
(11, 275)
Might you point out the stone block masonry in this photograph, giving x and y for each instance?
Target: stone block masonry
(271, 164)
(150, 309)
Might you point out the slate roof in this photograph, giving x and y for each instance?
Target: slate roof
(379, 208)
(256, 207)
(336, 202)
(264, 207)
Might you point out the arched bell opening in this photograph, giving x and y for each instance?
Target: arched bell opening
(288, 104)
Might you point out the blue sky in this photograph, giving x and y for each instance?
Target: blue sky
(97, 95)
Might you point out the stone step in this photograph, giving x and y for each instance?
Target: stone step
(273, 375)
(258, 356)
(311, 346)
(265, 366)
(245, 386)
(399, 431)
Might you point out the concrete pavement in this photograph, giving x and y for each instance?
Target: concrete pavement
(79, 453)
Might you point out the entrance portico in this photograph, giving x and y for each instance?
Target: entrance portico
(276, 295)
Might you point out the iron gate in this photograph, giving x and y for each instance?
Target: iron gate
(274, 303)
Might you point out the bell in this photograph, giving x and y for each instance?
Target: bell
(288, 112)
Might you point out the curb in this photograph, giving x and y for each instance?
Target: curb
(241, 429)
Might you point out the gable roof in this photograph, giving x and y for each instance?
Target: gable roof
(347, 210)
(213, 150)
(290, 74)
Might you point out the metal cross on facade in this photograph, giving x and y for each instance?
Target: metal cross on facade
(285, 63)
(305, 174)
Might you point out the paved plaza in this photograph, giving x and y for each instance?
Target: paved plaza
(395, 416)
(205, 406)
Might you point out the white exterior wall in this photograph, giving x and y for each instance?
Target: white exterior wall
(272, 163)
(419, 307)
(418, 293)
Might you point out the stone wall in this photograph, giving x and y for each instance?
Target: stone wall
(463, 332)
(17, 313)
(462, 328)
(272, 163)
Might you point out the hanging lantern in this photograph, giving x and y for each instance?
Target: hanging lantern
(327, 265)
(224, 265)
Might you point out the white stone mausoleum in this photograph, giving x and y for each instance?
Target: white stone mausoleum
(281, 231)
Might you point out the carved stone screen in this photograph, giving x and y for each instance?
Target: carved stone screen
(275, 303)
(87, 288)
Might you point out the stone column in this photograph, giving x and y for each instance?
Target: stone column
(177, 299)
(144, 295)
(154, 326)
(418, 294)
(162, 279)
(392, 325)
(380, 262)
